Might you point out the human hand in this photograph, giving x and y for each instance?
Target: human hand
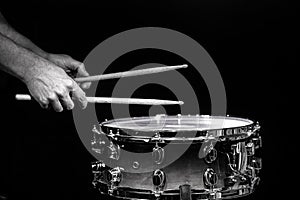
(72, 67)
(49, 84)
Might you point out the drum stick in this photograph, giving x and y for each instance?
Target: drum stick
(129, 73)
(117, 100)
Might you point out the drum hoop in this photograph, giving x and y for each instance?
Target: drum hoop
(124, 138)
(226, 193)
(223, 134)
(179, 116)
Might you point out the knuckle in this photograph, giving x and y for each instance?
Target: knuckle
(43, 101)
(62, 92)
(69, 83)
(52, 97)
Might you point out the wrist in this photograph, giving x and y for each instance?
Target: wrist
(42, 53)
(34, 69)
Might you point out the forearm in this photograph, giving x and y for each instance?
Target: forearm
(8, 31)
(15, 59)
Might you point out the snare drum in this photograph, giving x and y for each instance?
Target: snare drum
(176, 157)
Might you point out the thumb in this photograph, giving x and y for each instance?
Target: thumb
(78, 66)
(81, 71)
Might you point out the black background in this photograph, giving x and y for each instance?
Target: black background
(253, 44)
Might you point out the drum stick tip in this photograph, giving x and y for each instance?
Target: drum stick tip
(184, 66)
(22, 97)
(180, 102)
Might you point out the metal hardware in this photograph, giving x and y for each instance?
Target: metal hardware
(98, 166)
(238, 159)
(237, 141)
(257, 141)
(185, 192)
(159, 180)
(179, 119)
(114, 178)
(211, 155)
(250, 148)
(210, 177)
(256, 163)
(135, 164)
(158, 154)
(230, 181)
(232, 159)
(215, 195)
(98, 141)
(114, 151)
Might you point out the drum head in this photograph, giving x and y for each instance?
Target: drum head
(163, 123)
(180, 127)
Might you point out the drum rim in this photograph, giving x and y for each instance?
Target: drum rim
(221, 134)
(226, 193)
(250, 123)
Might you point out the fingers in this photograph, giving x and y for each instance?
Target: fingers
(44, 103)
(63, 98)
(66, 100)
(81, 71)
(52, 86)
(77, 92)
(60, 98)
(79, 96)
(56, 104)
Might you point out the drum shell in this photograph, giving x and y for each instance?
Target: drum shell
(187, 169)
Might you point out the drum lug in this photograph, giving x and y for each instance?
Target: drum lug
(250, 148)
(210, 178)
(210, 153)
(255, 182)
(157, 138)
(256, 127)
(159, 181)
(235, 151)
(99, 140)
(114, 151)
(230, 181)
(257, 141)
(158, 154)
(256, 164)
(114, 178)
(98, 167)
